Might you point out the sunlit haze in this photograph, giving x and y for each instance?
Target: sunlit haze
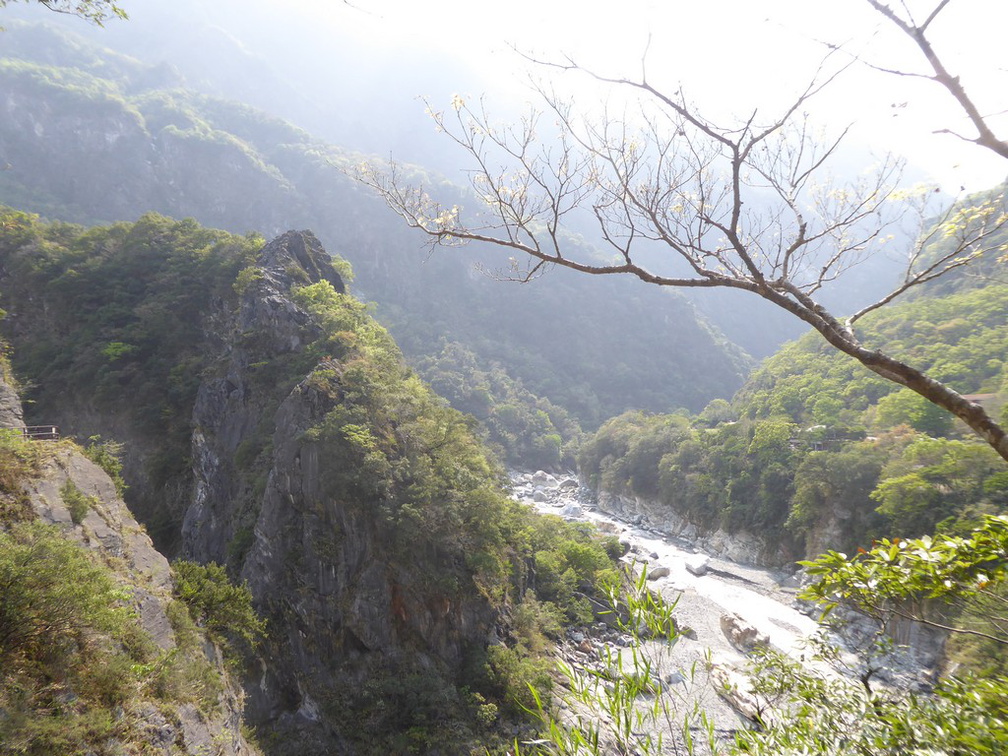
(731, 57)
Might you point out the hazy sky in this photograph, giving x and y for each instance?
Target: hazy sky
(730, 55)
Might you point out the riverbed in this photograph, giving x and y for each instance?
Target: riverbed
(762, 599)
(714, 597)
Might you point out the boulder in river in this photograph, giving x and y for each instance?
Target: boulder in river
(741, 634)
(658, 572)
(544, 479)
(698, 564)
(734, 687)
(572, 511)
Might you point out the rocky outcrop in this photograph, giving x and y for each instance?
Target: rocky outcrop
(342, 602)
(109, 530)
(232, 408)
(323, 569)
(741, 634)
(734, 686)
(740, 547)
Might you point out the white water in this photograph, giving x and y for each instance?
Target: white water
(754, 594)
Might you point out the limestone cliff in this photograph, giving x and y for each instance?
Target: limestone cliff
(152, 720)
(741, 546)
(342, 601)
(233, 406)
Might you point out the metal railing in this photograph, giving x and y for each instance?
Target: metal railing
(41, 432)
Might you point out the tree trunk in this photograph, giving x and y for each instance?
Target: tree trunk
(934, 391)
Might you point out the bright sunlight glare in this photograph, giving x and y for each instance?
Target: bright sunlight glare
(730, 56)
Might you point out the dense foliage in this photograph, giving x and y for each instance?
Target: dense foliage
(791, 458)
(19, 459)
(237, 168)
(956, 583)
(524, 430)
(114, 316)
(128, 330)
(395, 450)
(77, 671)
(960, 339)
(216, 603)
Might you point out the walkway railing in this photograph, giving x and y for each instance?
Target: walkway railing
(41, 432)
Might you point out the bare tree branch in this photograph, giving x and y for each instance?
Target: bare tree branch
(744, 205)
(985, 136)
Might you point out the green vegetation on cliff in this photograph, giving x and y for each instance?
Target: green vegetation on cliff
(80, 671)
(118, 329)
(115, 316)
(147, 144)
(524, 430)
(960, 339)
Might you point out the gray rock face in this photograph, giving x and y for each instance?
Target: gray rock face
(11, 415)
(229, 408)
(658, 572)
(323, 570)
(740, 547)
(109, 529)
(324, 573)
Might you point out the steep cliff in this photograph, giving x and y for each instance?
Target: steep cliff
(272, 425)
(144, 681)
(260, 344)
(352, 603)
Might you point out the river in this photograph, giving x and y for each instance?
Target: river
(762, 599)
(707, 591)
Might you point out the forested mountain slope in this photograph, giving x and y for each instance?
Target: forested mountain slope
(93, 136)
(269, 424)
(815, 451)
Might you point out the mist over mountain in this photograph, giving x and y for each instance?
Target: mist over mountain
(362, 93)
(100, 138)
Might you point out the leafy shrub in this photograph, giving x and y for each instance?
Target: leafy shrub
(517, 674)
(19, 458)
(108, 456)
(53, 594)
(75, 500)
(68, 646)
(223, 608)
(184, 674)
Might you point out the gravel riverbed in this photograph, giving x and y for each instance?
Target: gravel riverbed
(705, 589)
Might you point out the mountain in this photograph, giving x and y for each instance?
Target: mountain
(269, 424)
(340, 72)
(820, 453)
(100, 138)
(96, 648)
